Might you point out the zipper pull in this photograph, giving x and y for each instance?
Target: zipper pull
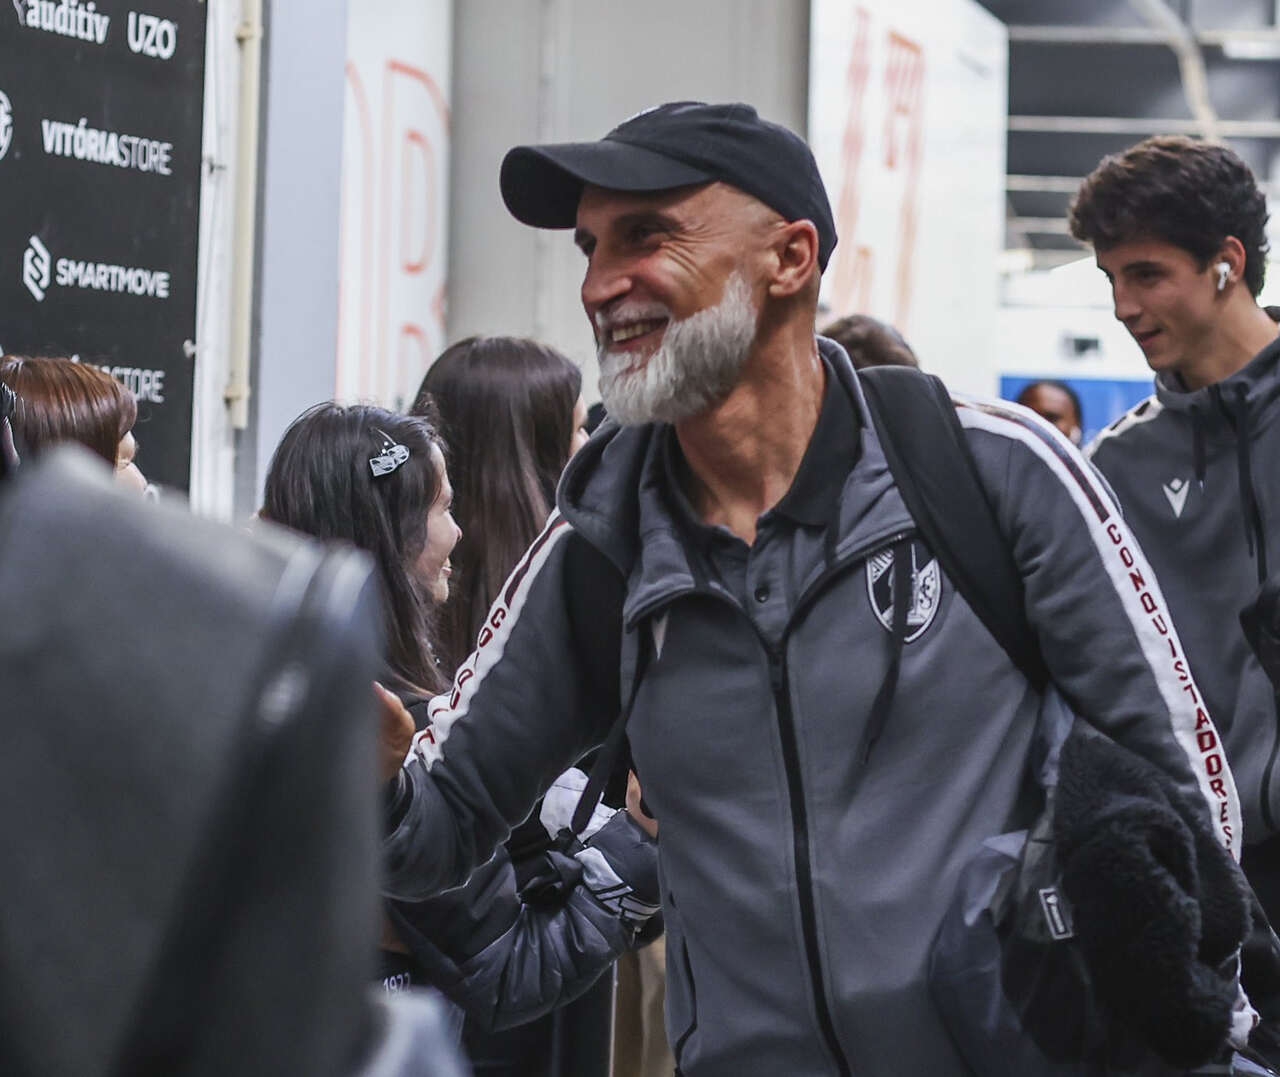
(777, 670)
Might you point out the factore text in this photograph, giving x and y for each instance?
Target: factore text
(143, 384)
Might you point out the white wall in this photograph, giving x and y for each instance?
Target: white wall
(212, 439)
(907, 121)
(1041, 311)
(562, 70)
(296, 317)
(395, 197)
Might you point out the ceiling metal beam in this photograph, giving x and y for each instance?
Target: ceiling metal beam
(1026, 184)
(1218, 38)
(1039, 226)
(1195, 84)
(1134, 35)
(1020, 259)
(1087, 35)
(1043, 184)
(1141, 125)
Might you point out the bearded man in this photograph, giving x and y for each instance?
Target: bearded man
(720, 576)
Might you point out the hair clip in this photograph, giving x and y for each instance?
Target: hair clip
(391, 457)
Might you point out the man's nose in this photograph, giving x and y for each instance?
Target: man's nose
(603, 283)
(1126, 309)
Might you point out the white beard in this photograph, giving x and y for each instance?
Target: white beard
(695, 367)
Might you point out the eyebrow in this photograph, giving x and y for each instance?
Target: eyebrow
(665, 221)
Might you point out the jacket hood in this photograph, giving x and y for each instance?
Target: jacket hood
(1230, 413)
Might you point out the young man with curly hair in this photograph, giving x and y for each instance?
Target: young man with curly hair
(1178, 227)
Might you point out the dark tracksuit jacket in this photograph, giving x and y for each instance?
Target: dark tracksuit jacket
(1195, 474)
(803, 880)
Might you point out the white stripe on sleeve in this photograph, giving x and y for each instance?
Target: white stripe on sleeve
(447, 709)
(1135, 585)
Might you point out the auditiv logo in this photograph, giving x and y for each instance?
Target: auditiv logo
(152, 36)
(6, 124)
(36, 265)
(69, 18)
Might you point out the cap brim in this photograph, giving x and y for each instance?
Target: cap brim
(541, 185)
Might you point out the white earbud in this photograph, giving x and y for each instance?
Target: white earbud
(1224, 271)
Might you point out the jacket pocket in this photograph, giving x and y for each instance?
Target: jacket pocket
(686, 1023)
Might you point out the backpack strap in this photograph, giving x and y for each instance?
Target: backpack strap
(611, 752)
(929, 456)
(595, 592)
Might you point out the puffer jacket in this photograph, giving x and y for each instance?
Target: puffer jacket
(804, 877)
(506, 960)
(1193, 472)
(504, 953)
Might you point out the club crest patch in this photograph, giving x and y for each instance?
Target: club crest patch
(926, 589)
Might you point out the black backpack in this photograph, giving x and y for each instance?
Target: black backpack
(1052, 1018)
(926, 450)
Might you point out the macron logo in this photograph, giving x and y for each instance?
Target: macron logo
(1176, 491)
(36, 266)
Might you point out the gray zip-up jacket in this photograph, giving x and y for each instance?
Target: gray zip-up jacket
(1194, 474)
(803, 883)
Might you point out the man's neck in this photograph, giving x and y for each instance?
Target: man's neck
(1235, 341)
(743, 455)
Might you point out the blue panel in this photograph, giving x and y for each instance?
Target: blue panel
(1103, 400)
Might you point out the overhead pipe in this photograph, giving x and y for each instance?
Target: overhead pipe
(1137, 35)
(1142, 125)
(1195, 84)
(249, 38)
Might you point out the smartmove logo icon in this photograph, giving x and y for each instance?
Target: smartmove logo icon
(67, 18)
(40, 269)
(36, 266)
(6, 124)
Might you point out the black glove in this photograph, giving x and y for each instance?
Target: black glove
(1161, 909)
(620, 867)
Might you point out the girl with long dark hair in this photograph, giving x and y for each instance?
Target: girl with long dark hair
(329, 478)
(511, 411)
(377, 480)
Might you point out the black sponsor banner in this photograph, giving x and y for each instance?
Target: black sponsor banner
(101, 105)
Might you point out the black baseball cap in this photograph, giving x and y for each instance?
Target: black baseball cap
(673, 145)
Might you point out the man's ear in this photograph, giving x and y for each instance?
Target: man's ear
(795, 248)
(1233, 254)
